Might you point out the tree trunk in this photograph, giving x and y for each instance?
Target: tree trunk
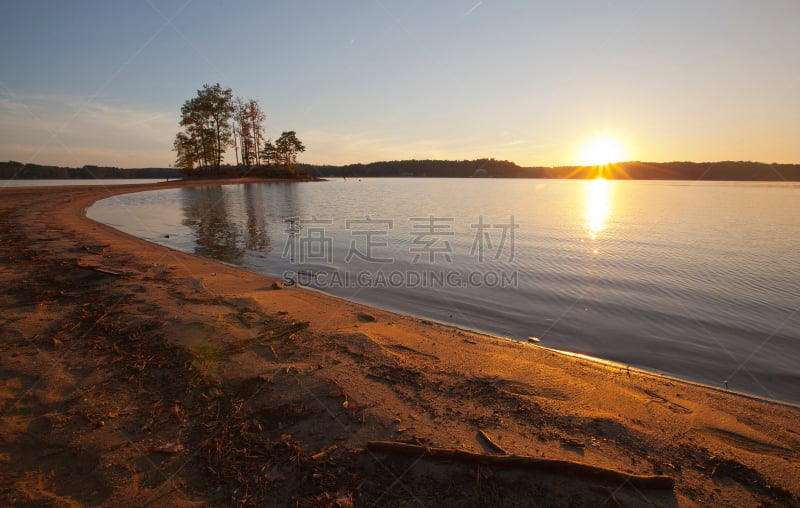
(235, 147)
(256, 135)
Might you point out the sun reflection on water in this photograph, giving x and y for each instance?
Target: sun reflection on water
(598, 205)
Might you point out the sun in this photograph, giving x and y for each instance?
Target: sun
(601, 151)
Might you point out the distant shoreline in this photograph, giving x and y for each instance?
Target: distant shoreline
(734, 171)
(491, 168)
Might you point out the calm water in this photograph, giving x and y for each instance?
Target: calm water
(696, 280)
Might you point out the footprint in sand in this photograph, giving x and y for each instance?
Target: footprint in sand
(749, 444)
(406, 349)
(518, 388)
(672, 406)
(365, 318)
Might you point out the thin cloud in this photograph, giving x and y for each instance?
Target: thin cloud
(119, 135)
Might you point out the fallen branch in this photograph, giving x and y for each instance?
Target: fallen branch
(381, 378)
(525, 462)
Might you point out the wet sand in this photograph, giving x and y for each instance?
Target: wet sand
(133, 374)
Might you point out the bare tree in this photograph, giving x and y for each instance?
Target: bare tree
(248, 120)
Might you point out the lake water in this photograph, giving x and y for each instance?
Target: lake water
(700, 280)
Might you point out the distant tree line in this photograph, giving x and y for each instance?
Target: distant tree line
(479, 168)
(19, 171)
(431, 168)
(491, 168)
(214, 121)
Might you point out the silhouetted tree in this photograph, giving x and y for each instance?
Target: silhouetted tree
(269, 154)
(207, 134)
(186, 150)
(286, 149)
(248, 118)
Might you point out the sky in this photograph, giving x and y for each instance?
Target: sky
(98, 82)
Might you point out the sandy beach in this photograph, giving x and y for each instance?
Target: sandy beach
(133, 374)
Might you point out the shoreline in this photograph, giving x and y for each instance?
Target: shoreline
(651, 370)
(358, 372)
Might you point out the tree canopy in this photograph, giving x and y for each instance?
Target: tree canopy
(283, 153)
(214, 121)
(207, 130)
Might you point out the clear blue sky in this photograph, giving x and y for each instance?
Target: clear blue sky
(99, 82)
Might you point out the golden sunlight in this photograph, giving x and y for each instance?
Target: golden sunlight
(598, 204)
(602, 150)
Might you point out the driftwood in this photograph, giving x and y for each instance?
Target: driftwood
(525, 462)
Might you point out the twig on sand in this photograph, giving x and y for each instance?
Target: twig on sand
(525, 462)
(106, 271)
(274, 353)
(496, 448)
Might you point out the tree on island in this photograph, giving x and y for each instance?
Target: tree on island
(207, 130)
(214, 122)
(283, 153)
(248, 118)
